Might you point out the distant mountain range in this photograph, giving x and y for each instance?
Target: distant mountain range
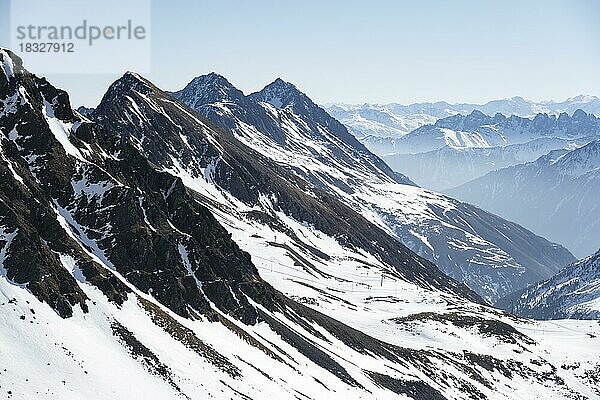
(480, 130)
(460, 148)
(555, 196)
(572, 293)
(395, 120)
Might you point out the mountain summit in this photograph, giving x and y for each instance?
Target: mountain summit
(210, 88)
(281, 94)
(285, 103)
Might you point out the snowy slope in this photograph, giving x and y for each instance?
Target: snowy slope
(556, 196)
(122, 278)
(572, 293)
(491, 255)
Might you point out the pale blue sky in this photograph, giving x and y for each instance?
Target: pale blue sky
(372, 51)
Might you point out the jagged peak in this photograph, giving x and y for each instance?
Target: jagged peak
(213, 87)
(129, 83)
(209, 88)
(136, 81)
(477, 114)
(280, 94)
(132, 81)
(278, 82)
(35, 92)
(211, 78)
(280, 85)
(11, 63)
(580, 114)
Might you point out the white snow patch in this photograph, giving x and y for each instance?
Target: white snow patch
(7, 65)
(61, 130)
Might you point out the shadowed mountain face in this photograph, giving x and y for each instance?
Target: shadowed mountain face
(135, 249)
(270, 110)
(492, 256)
(86, 192)
(572, 293)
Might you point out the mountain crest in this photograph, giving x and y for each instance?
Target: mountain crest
(209, 88)
(212, 80)
(281, 94)
(11, 64)
(129, 83)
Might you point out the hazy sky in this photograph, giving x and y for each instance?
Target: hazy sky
(372, 51)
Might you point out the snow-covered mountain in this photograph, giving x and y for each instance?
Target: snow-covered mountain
(145, 253)
(479, 130)
(555, 196)
(226, 105)
(493, 256)
(370, 122)
(385, 121)
(572, 293)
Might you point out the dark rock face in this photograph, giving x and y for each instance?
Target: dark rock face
(414, 389)
(27, 208)
(117, 207)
